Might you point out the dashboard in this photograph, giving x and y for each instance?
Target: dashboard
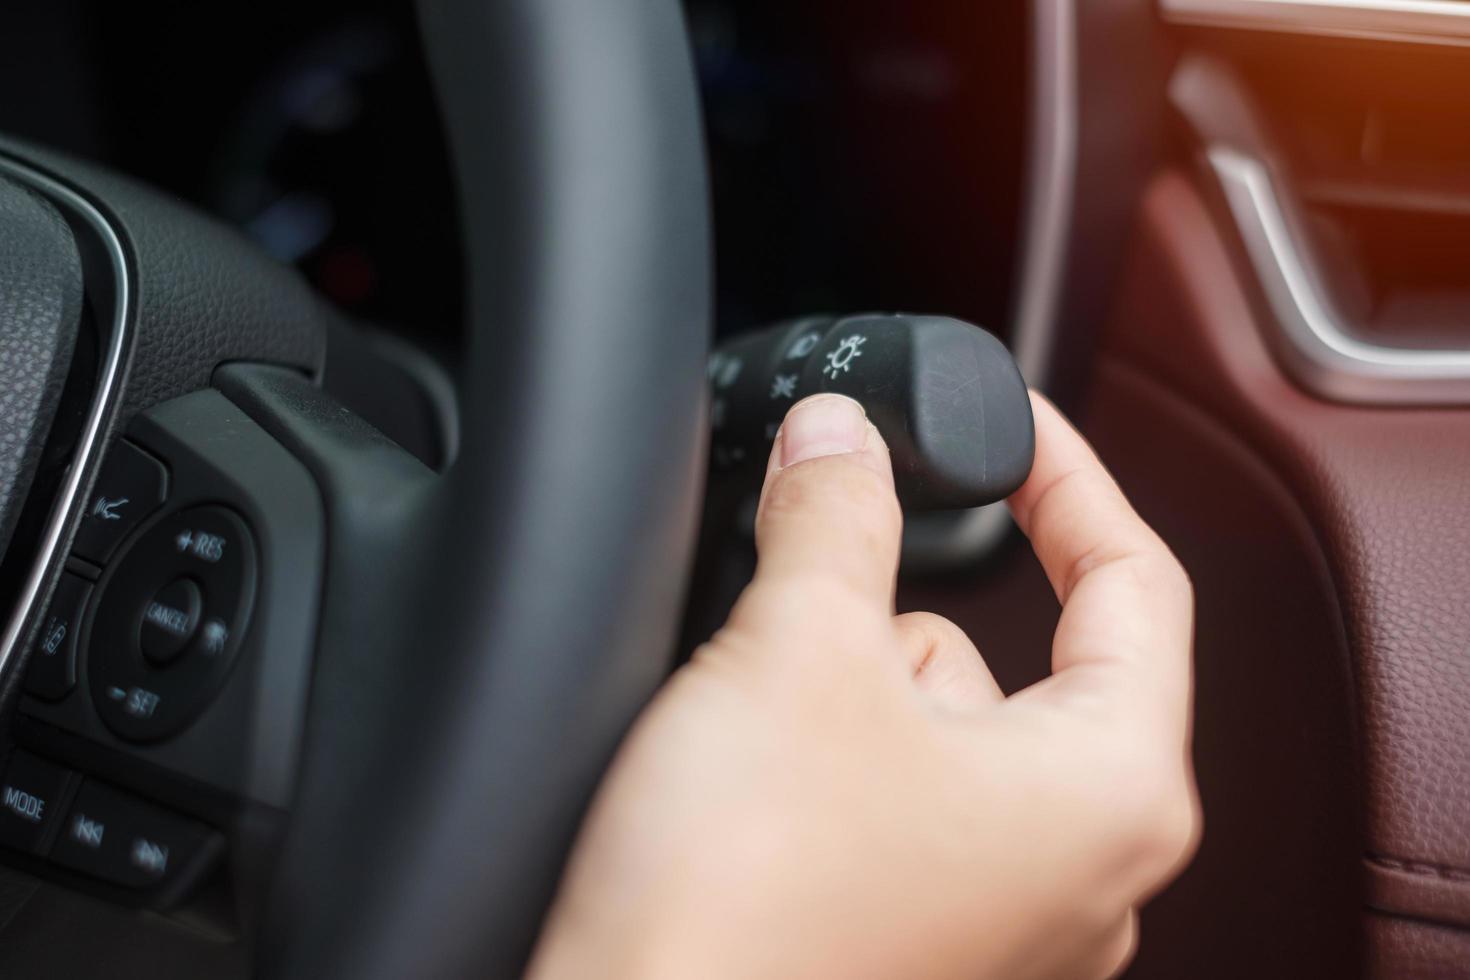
(863, 156)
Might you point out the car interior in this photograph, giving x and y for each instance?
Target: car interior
(384, 387)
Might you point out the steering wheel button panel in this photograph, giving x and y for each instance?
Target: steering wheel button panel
(119, 838)
(30, 796)
(132, 485)
(53, 663)
(169, 621)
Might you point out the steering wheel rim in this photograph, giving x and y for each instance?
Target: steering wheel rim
(551, 564)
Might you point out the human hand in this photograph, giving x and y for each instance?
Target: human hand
(827, 789)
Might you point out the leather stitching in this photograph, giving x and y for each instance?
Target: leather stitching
(1425, 868)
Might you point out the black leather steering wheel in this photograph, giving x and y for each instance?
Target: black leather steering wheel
(561, 542)
(484, 637)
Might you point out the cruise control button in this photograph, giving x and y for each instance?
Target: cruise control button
(170, 620)
(125, 840)
(131, 486)
(157, 652)
(28, 800)
(53, 665)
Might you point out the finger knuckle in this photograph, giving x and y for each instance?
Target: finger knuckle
(1176, 836)
(1162, 822)
(1167, 574)
(930, 627)
(1118, 949)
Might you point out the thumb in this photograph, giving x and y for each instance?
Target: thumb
(828, 512)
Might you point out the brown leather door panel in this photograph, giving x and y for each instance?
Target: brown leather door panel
(1273, 726)
(1386, 494)
(1275, 759)
(1274, 739)
(1328, 545)
(1409, 950)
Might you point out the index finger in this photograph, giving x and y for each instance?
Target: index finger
(1127, 606)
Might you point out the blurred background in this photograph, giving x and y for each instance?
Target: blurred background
(862, 157)
(865, 154)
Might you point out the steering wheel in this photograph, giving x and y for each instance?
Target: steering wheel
(425, 675)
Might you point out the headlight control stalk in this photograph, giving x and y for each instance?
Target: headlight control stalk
(945, 394)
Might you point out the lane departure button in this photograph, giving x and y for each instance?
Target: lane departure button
(29, 798)
(131, 486)
(53, 667)
(117, 837)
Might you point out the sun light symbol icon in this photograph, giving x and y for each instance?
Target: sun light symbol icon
(840, 360)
